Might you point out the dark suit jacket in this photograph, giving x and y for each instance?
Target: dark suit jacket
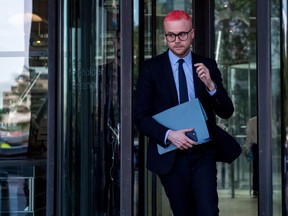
(156, 92)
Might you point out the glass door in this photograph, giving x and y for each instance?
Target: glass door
(233, 36)
(90, 160)
(235, 52)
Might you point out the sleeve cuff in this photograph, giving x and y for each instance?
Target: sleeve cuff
(212, 92)
(167, 142)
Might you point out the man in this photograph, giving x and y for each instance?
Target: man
(251, 146)
(251, 149)
(188, 174)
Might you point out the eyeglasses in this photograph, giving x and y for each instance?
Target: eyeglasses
(171, 37)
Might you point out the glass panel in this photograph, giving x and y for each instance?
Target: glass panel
(24, 81)
(23, 105)
(138, 199)
(284, 98)
(91, 109)
(21, 190)
(235, 53)
(276, 121)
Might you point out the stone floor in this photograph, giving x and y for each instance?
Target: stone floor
(241, 205)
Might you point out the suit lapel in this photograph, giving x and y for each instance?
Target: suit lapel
(167, 69)
(197, 81)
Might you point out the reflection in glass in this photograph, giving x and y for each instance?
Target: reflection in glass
(18, 191)
(110, 84)
(23, 106)
(91, 109)
(24, 81)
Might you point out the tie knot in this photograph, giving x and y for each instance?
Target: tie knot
(180, 61)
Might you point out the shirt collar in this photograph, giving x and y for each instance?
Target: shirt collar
(174, 59)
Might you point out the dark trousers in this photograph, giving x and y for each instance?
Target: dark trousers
(255, 174)
(191, 186)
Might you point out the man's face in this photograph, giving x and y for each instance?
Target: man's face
(178, 47)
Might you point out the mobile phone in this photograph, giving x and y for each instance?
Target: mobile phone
(192, 135)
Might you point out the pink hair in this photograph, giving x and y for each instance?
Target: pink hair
(177, 15)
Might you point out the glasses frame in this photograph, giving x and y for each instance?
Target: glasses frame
(178, 35)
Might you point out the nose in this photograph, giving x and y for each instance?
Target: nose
(177, 39)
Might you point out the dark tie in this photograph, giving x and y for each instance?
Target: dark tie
(182, 83)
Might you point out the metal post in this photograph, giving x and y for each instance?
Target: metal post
(264, 106)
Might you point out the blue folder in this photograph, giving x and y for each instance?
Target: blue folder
(186, 115)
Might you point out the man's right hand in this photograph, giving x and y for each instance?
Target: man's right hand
(179, 139)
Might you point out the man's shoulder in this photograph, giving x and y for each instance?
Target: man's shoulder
(201, 58)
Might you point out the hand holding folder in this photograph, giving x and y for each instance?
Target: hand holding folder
(186, 115)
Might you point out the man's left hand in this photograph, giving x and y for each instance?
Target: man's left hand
(204, 76)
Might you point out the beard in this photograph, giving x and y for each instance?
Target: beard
(180, 51)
